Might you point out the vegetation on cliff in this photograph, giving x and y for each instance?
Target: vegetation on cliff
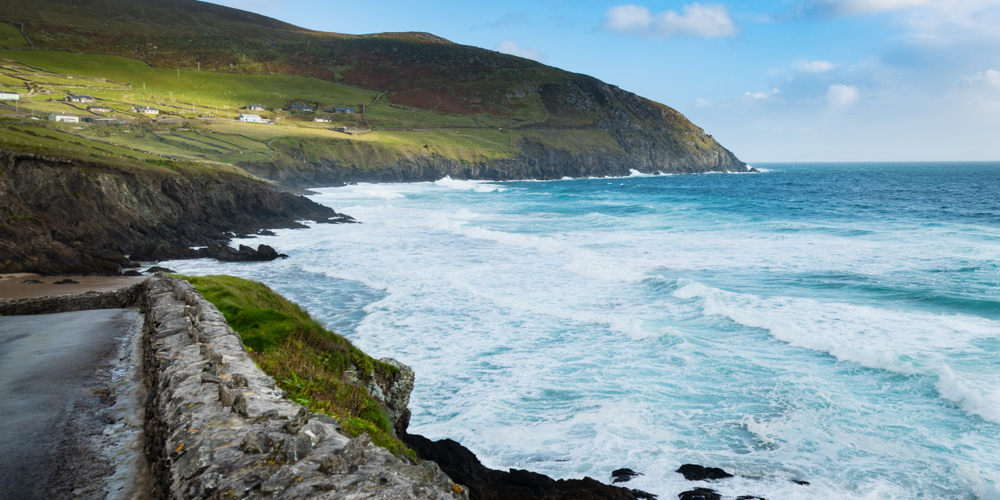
(318, 368)
(425, 107)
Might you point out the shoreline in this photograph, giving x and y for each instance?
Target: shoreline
(13, 286)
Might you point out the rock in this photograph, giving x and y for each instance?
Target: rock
(624, 475)
(208, 378)
(158, 269)
(196, 459)
(66, 281)
(488, 484)
(267, 415)
(225, 397)
(334, 464)
(803, 483)
(295, 448)
(693, 472)
(295, 424)
(33, 282)
(214, 365)
(132, 273)
(241, 406)
(354, 451)
(239, 380)
(254, 443)
(266, 232)
(749, 497)
(263, 253)
(699, 494)
(397, 397)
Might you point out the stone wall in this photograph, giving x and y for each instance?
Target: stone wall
(218, 427)
(117, 299)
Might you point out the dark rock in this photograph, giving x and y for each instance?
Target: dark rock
(699, 494)
(158, 269)
(624, 475)
(214, 365)
(66, 281)
(146, 214)
(266, 232)
(33, 282)
(263, 253)
(197, 458)
(132, 273)
(803, 483)
(749, 497)
(463, 467)
(208, 378)
(693, 472)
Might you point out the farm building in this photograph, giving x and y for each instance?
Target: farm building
(147, 110)
(322, 119)
(300, 107)
(250, 118)
(10, 96)
(63, 117)
(102, 120)
(343, 110)
(80, 99)
(99, 109)
(254, 107)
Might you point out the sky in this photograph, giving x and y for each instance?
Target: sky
(771, 80)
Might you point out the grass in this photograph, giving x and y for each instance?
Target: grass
(308, 361)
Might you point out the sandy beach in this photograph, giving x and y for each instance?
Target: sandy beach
(13, 286)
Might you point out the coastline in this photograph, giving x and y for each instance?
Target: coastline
(13, 286)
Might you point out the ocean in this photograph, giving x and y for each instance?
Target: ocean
(837, 324)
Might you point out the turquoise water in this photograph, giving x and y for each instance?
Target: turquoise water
(833, 323)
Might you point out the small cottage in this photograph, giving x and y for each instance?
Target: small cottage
(254, 107)
(322, 119)
(300, 107)
(146, 110)
(63, 117)
(10, 96)
(343, 110)
(99, 109)
(80, 99)
(249, 118)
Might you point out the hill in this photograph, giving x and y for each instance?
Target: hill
(424, 107)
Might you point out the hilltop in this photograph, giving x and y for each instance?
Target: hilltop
(423, 106)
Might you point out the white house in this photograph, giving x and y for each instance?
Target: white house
(249, 118)
(322, 119)
(148, 110)
(63, 117)
(10, 96)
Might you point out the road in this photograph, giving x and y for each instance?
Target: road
(65, 386)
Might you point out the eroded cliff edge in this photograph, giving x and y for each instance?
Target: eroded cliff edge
(61, 216)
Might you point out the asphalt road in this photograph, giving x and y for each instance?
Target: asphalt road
(55, 401)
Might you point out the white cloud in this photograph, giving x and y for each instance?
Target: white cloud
(816, 66)
(695, 20)
(990, 76)
(702, 102)
(509, 47)
(858, 7)
(843, 95)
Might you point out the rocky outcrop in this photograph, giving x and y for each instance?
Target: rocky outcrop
(60, 216)
(218, 427)
(489, 484)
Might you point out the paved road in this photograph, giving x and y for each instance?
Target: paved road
(55, 398)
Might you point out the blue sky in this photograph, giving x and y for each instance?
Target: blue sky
(779, 80)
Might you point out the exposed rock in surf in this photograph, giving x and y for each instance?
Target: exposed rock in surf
(624, 475)
(693, 472)
(699, 494)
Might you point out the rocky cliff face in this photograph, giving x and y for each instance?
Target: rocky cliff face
(69, 217)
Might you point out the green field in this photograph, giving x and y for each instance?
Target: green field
(389, 132)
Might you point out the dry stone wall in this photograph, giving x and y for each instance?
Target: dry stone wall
(218, 427)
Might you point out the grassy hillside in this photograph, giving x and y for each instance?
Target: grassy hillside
(421, 101)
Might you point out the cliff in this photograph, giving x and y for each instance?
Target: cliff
(61, 216)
